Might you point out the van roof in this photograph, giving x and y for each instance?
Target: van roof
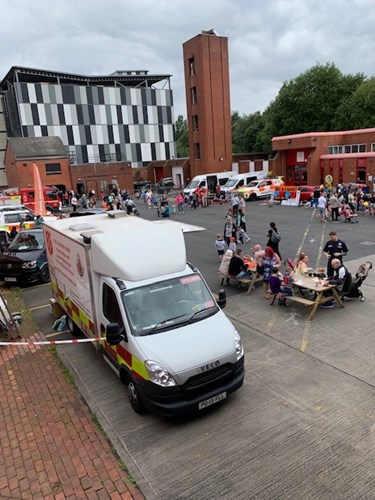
(120, 245)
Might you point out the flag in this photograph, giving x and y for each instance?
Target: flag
(40, 206)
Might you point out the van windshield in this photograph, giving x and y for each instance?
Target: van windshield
(193, 184)
(27, 241)
(231, 183)
(168, 304)
(252, 184)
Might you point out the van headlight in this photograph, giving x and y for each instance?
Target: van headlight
(159, 375)
(29, 265)
(239, 346)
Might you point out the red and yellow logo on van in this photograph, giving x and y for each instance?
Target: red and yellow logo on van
(49, 243)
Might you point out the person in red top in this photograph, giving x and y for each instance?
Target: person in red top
(198, 193)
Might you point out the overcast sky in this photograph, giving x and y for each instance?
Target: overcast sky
(270, 41)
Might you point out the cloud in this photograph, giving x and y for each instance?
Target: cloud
(270, 41)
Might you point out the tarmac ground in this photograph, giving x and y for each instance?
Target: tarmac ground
(302, 426)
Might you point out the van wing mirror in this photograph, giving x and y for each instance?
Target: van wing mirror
(115, 334)
(222, 300)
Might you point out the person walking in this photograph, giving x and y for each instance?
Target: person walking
(322, 205)
(334, 249)
(334, 205)
(229, 229)
(274, 238)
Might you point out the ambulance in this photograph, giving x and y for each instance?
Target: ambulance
(167, 337)
(260, 189)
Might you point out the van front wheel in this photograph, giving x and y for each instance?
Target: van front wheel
(252, 197)
(134, 398)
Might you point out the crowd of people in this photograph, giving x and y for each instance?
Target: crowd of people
(347, 201)
(267, 261)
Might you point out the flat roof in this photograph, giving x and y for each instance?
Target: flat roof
(34, 75)
(324, 134)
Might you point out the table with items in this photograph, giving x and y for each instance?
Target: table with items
(316, 289)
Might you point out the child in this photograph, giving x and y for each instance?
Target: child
(233, 245)
(242, 236)
(220, 246)
(276, 287)
(258, 253)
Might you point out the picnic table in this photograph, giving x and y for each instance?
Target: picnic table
(316, 285)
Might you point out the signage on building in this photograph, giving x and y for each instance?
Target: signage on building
(300, 156)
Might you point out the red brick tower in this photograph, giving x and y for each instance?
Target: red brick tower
(208, 103)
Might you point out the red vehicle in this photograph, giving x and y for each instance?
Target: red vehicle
(306, 192)
(51, 198)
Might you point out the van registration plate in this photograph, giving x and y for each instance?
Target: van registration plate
(7, 278)
(211, 401)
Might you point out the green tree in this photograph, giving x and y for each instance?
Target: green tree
(245, 132)
(358, 111)
(308, 102)
(182, 137)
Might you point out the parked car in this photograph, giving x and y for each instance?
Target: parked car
(25, 259)
(307, 192)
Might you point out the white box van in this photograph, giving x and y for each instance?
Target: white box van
(166, 336)
(210, 181)
(240, 180)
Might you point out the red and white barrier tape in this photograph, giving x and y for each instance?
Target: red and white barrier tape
(53, 342)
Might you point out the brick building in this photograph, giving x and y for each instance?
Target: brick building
(208, 103)
(49, 154)
(348, 156)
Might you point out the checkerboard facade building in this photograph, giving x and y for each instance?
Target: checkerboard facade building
(117, 117)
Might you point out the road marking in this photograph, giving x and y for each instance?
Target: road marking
(54, 334)
(38, 307)
(305, 336)
(299, 250)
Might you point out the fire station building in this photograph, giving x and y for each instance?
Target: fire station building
(306, 159)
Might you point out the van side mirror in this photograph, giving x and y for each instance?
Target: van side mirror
(115, 334)
(222, 300)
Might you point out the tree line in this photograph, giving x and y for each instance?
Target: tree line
(321, 99)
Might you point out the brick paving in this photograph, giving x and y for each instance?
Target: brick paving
(50, 446)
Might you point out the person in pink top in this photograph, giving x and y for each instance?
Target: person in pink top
(180, 201)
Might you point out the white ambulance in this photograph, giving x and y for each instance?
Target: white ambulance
(166, 336)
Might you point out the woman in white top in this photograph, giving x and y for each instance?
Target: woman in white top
(302, 264)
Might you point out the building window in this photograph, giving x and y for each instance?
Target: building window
(53, 168)
(197, 151)
(195, 123)
(194, 99)
(349, 148)
(192, 66)
(373, 147)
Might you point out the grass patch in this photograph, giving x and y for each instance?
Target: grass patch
(69, 377)
(130, 479)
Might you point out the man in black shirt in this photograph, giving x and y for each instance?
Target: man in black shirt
(237, 267)
(334, 249)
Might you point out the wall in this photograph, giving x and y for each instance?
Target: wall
(97, 123)
(98, 175)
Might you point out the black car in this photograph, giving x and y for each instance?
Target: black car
(25, 259)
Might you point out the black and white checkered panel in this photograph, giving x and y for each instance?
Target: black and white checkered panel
(100, 123)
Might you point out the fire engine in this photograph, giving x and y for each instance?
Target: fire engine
(50, 194)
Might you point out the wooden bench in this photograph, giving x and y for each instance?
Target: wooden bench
(301, 300)
(248, 283)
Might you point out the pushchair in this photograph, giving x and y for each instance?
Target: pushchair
(355, 291)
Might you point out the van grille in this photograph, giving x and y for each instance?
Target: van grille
(202, 382)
